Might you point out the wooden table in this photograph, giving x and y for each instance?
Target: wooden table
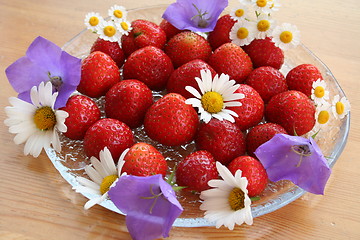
(36, 203)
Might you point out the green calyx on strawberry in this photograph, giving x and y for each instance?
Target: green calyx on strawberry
(99, 73)
(196, 170)
(144, 160)
(171, 121)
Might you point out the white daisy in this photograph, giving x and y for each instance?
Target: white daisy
(319, 94)
(239, 13)
(215, 96)
(103, 175)
(286, 36)
(262, 6)
(108, 31)
(38, 123)
(243, 32)
(264, 26)
(92, 21)
(117, 12)
(227, 203)
(322, 114)
(340, 107)
(124, 27)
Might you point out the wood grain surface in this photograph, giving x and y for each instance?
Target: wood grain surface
(36, 203)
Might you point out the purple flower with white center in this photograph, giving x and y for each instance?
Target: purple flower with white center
(297, 159)
(149, 203)
(45, 62)
(195, 15)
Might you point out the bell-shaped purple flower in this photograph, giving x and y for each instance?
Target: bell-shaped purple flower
(45, 61)
(297, 159)
(195, 15)
(149, 203)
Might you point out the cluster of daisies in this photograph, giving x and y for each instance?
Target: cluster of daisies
(112, 29)
(254, 21)
(338, 107)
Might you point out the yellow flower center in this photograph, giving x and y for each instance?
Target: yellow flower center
(124, 26)
(340, 108)
(106, 183)
(236, 199)
(242, 33)
(212, 102)
(93, 21)
(44, 118)
(239, 12)
(319, 92)
(109, 31)
(323, 117)
(118, 13)
(261, 3)
(263, 25)
(286, 36)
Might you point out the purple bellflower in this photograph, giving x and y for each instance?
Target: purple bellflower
(195, 15)
(149, 203)
(45, 61)
(297, 159)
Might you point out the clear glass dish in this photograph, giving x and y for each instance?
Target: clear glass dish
(71, 161)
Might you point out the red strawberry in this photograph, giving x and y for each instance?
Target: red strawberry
(112, 49)
(110, 133)
(267, 81)
(128, 102)
(169, 29)
(144, 33)
(196, 170)
(83, 112)
(98, 74)
(187, 46)
(263, 52)
(252, 110)
(144, 160)
(221, 32)
(185, 76)
(254, 172)
(302, 77)
(223, 139)
(170, 121)
(261, 134)
(293, 110)
(232, 60)
(149, 65)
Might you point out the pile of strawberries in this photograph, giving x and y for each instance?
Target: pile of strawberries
(162, 58)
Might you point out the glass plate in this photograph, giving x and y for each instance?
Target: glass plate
(71, 161)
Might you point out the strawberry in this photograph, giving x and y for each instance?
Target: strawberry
(230, 59)
(110, 133)
(185, 76)
(144, 33)
(83, 112)
(221, 32)
(293, 110)
(263, 52)
(261, 134)
(267, 81)
(251, 112)
(302, 77)
(187, 46)
(128, 102)
(196, 170)
(98, 74)
(144, 160)
(171, 121)
(112, 49)
(254, 172)
(223, 139)
(169, 29)
(149, 65)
